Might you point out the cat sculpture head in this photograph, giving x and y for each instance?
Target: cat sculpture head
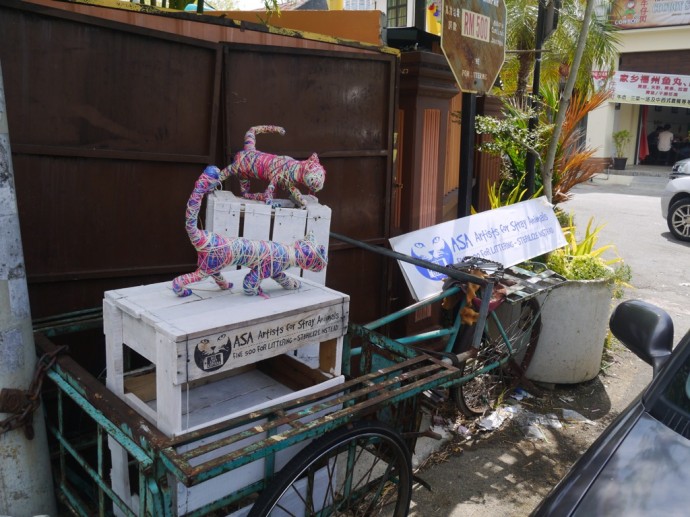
(310, 255)
(314, 175)
(209, 180)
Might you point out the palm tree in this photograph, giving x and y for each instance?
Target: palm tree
(600, 48)
(520, 31)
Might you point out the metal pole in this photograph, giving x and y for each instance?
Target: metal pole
(26, 485)
(531, 159)
(467, 118)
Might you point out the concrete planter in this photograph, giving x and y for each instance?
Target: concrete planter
(575, 318)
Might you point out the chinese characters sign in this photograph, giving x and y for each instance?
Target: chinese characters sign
(650, 88)
(473, 40)
(636, 14)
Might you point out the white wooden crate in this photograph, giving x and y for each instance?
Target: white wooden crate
(212, 332)
(233, 216)
(252, 387)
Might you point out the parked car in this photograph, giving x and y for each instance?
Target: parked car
(680, 169)
(675, 206)
(640, 465)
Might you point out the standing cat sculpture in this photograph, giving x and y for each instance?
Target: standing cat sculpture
(264, 258)
(280, 171)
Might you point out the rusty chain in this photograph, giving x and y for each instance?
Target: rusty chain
(22, 404)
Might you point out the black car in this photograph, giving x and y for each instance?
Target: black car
(640, 465)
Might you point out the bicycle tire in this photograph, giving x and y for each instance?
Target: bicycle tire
(379, 480)
(483, 391)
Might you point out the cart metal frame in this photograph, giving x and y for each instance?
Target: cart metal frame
(395, 372)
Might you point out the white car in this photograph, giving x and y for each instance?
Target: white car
(680, 168)
(675, 205)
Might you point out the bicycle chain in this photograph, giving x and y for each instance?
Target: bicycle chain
(22, 404)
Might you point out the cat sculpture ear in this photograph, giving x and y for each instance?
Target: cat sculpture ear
(314, 158)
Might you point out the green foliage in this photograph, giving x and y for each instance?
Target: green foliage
(501, 194)
(621, 139)
(581, 259)
(601, 52)
(512, 140)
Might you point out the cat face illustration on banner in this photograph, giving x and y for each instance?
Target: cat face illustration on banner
(437, 251)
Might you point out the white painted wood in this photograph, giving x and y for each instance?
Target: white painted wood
(288, 222)
(119, 474)
(168, 331)
(319, 222)
(214, 332)
(112, 327)
(189, 499)
(257, 222)
(168, 391)
(227, 399)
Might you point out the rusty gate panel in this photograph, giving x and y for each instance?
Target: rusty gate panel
(94, 88)
(341, 106)
(109, 127)
(111, 123)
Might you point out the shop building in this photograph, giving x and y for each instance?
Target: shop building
(651, 87)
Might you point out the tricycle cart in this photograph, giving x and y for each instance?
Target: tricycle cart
(350, 443)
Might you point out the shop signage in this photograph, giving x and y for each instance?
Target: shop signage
(637, 14)
(650, 88)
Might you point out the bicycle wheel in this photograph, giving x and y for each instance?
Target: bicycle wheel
(522, 325)
(363, 470)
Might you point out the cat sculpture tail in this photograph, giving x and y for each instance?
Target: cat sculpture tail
(212, 248)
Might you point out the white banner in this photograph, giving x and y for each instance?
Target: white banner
(638, 14)
(650, 88)
(509, 235)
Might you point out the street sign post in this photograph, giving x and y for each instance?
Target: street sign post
(473, 39)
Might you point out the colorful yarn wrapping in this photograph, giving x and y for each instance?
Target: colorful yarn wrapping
(281, 171)
(266, 259)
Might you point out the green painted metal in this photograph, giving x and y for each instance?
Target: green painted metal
(140, 456)
(396, 373)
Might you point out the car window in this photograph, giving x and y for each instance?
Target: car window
(673, 407)
(678, 390)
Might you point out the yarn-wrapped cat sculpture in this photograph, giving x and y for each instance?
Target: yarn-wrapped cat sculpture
(280, 171)
(264, 258)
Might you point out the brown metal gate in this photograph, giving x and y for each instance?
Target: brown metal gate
(110, 124)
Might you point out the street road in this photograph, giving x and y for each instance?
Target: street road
(630, 209)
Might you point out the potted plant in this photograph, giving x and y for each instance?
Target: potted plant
(575, 314)
(621, 139)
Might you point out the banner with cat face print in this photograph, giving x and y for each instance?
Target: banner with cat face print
(509, 235)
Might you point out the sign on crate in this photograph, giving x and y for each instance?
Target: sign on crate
(509, 235)
(246, 345)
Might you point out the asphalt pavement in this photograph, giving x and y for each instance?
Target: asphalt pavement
(628, 205)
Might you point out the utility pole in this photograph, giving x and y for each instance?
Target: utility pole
(547, 20)
(26, 485)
